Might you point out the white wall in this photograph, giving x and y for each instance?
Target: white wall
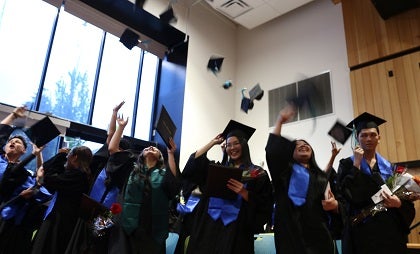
(305, 42)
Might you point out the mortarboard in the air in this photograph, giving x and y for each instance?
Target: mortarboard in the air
(340, 132)
(237, 128)
(246, 104)
(215, 64)
(42, 132)
(256, 93)
(364, 121)
(165, 126)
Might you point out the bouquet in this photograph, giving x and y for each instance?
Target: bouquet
(104, 221)
(402, 184)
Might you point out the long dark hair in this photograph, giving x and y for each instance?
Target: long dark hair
(245, 156)
(84, 158)
(312, 161)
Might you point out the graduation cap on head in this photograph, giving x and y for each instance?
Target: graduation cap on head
(165, 126)
(340, 132)
(42, 132)
(215, 64)
(365, 121)
(240, 130)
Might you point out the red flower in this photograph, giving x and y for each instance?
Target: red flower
(116, 208)
(400, 170)
(254, 173)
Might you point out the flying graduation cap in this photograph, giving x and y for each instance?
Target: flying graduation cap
(256, 93)
(340, 132)
(42, 132)
(215, 64)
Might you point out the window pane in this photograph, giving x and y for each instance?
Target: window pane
(117, 82)
(146, 97)
(25, 30)
(71, 71)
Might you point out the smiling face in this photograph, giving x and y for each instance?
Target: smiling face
(302, 152)
(234, 148)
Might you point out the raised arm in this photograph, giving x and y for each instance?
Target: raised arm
(215, 141)
(17, 113)
(38, 153)
(334, 152)
(114, 144)
(284, 115)
(112, 123)
(171, 157)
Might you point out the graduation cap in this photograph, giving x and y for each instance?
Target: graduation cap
(227, 84)
(340, 132)
(165, 126)
(168, 16)
(365, 121)
(42, 132)
(129, 38)
(256, 93)
(234, 128)
(215, 64)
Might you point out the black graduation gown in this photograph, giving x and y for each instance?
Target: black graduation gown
(16, 232)
(69, 185)
(118, 167)
(208, 236)
(304, 229)
(384, 233)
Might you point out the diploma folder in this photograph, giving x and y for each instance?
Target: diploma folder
(217, 178)
(165, 126)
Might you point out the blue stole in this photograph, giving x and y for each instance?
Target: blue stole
(188, 207)
(51, 205)
(298, 184)
(98, 190)
(3, 165)
(385, 167)
(227, 210)
(18, 210)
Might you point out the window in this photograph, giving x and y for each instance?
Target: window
(57, 63)
(312, 95)
(25, 30)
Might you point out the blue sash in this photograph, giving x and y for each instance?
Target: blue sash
(227, 210)
(3, 166)
(385, 167)
(51, 205)
(189, 206)
(298, 185)
(98, 190)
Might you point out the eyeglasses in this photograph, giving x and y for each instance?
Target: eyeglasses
(230, 145)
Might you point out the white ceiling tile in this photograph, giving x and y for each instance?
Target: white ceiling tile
(257, 16)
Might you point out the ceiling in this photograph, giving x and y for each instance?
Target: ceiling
(251, 13)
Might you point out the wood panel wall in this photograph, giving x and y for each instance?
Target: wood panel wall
(369, 37)
(391, 90)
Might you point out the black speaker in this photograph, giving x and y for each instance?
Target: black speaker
(389, 8)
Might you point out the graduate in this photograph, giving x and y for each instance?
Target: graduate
(67, 174)
(360, 177)
(21, 195)
(222, 225)
(305, 208)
